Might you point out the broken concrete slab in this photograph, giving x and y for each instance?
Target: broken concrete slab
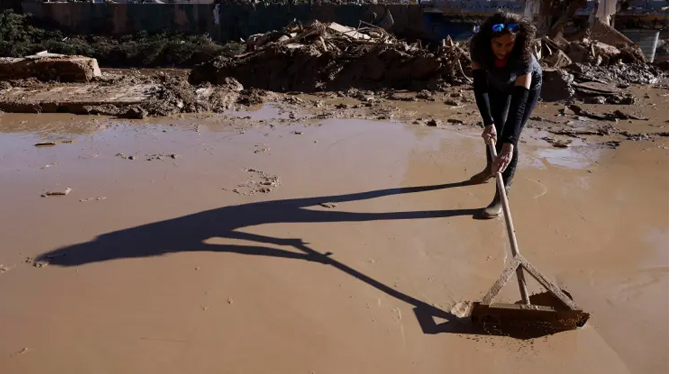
(598, 88)
(608, 35)
(559, 83)
(46, 66)
(605, 50)
(73, 98)
(581, 52)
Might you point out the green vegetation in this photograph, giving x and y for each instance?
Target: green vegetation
(22, 35)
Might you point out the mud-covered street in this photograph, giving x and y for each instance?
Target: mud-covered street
(199, 242)
(300, 204)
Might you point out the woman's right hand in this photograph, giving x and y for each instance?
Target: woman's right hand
(489, 133)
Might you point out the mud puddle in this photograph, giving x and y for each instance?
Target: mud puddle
(365, 224)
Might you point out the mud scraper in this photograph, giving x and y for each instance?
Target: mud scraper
(559, 312)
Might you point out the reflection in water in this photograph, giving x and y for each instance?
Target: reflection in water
(579, 155)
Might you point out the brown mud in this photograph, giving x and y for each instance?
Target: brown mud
(594, 110)
(362, 255)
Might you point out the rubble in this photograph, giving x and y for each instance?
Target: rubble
(254, 96)
(46, 66)
(558, 59)
(614, 116)
(601, 93)
(134, 112)
(157, 95)
(618, 73)
(559, 85)
(601, 55)
(604, 33)
(350, 62)
(622, 115)
(330, 56)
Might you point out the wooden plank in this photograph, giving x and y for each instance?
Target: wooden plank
(502, 280)
(542, 308)
(524, 292)
(547, 284)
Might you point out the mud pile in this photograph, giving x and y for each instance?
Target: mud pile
(332, 57)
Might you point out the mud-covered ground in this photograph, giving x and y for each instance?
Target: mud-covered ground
(171, 227)
(326, 234)
(607, 114)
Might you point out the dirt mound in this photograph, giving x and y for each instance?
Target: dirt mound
(175, 95)
(333, 57)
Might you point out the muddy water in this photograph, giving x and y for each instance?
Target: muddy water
(327, 247)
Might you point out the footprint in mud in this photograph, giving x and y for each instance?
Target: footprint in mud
(37, 264)
(260, 182)
(4, 268)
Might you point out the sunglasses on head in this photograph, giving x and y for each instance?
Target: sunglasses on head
(512, 27)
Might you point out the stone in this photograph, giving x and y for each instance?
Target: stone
(134, 112)
(46, 67)
(559, 85)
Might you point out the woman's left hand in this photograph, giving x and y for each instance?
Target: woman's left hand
(502, 160)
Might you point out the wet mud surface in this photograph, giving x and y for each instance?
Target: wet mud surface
(326, 234)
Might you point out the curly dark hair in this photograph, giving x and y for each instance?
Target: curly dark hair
(480, 45)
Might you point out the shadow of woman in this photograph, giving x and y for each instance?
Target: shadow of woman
(190, 233)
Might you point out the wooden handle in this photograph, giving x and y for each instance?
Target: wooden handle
(511, 229)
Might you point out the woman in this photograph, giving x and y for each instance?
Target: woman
(506, 80)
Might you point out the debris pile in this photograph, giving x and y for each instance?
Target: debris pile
(329, 56)
(601, 45)
(594, 60)
(602, 56)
